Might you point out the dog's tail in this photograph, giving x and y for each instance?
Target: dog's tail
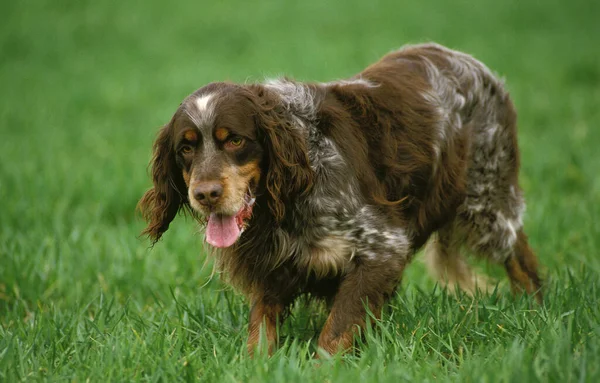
(451, 269)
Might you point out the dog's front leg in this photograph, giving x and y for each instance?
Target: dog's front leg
(264, 318)
(368, 283)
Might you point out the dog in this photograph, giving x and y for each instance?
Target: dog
(329, 189)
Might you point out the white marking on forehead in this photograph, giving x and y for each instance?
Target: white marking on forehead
(202, 102)
(204, 111)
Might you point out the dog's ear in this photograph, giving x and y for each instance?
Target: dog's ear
(160, 204)
(288, 173)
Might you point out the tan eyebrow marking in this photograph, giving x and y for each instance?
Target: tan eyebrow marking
(191, 136)
(221, 134)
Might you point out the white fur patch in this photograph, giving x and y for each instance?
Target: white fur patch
(205, 110)
(202, 102)
(297, 97)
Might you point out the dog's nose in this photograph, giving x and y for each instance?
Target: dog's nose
(208, 193)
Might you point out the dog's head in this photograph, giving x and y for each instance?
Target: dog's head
(225, 145)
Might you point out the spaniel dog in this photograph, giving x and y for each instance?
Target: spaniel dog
(329, 189)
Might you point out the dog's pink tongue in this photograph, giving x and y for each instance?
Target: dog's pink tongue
(222, 230)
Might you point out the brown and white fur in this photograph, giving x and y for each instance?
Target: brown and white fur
(329, 189)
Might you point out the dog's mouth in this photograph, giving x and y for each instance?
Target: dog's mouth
(223, 230)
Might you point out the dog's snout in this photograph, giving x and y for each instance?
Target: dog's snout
(208, 193)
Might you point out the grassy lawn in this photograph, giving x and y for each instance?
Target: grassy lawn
(87, 84)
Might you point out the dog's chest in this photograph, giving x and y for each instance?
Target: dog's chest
(332, 227)
(330, 240)
(328, 257)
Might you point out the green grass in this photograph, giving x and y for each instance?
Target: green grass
(87, 84)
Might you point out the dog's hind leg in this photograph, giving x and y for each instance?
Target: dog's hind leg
(495, 233)
(445, 263)
(522, 268)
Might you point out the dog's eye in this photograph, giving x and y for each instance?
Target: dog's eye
(234, 142)
(186, 149)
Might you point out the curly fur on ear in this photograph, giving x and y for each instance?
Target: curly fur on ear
(160, 204)
(289, 174)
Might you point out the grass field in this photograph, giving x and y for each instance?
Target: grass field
(87, 84)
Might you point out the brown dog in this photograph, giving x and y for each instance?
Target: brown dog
(330, 188)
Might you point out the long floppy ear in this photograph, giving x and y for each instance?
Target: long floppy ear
(288, 174)
(160, 204)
